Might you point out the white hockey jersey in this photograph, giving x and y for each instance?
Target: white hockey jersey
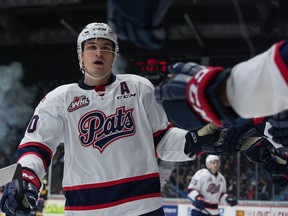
(111, 142)
(211, 187)
(258, 87)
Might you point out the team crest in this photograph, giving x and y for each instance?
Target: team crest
(98, 130)
(78, 102)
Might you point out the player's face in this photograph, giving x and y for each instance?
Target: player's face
(98, 56)
(214, 166)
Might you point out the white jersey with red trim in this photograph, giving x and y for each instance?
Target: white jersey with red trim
(111, 142)
(265, 91)
(211, 187)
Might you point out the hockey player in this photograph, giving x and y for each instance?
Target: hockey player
(112, 129)
(208, 189)
(217, 95)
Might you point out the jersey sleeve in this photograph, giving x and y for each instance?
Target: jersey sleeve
(258, 87)
(42, 136)
(194, 186)
(169, 141)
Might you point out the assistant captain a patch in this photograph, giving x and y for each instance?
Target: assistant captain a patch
(78, 102)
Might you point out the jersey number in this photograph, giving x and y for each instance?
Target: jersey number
(33, 124)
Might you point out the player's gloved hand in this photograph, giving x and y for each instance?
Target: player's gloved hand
(17, 202)
(259, 152)
(199, 202)
(172, 93)
(231, 200)
(262, 153)
(206, 140)
(144, 29)
(276, 166)
(243, 134)
(201, 87)
(279, 129)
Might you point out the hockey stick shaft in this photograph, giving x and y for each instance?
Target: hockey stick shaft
(183, 194)
(9, 173)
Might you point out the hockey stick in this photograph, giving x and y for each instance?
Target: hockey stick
(184, 195)
(9, 173)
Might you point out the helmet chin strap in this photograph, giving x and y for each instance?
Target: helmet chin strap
(85, 71)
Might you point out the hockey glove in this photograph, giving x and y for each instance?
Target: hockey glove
(199, 202)
(172, 94)
(231, 200)
(279, 129)
(201, 91)
(18, 200)
(259, 152)
(262, 153)
(144, 29)
(243, 134)
(206, 140)
(275, 168)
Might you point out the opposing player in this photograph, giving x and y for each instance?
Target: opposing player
(112, 129)
(208, 189)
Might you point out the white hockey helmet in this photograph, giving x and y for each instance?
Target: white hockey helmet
(96, 30)
(211, 158)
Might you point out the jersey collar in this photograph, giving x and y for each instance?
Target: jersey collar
(84, 86)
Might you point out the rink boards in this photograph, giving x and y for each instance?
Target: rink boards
(182, 207)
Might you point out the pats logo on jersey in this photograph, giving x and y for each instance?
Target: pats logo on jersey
(99, 130)
(78, 102)
(213, 188)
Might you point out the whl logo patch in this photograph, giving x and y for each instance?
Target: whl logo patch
(78, 102)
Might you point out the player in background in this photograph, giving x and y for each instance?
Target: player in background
(208, 189)
(113, 130)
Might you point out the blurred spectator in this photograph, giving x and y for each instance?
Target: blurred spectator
(263, 189)
(250, 194)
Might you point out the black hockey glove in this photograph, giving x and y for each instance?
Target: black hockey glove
(144, 29)
(279, 129)
(231, 200)
(199, 85)
(17, 202)
(243, 134)
(276, 168)
(172, 94)
(20, 200)
(199, 202)
(206, 140)
(259, 152)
